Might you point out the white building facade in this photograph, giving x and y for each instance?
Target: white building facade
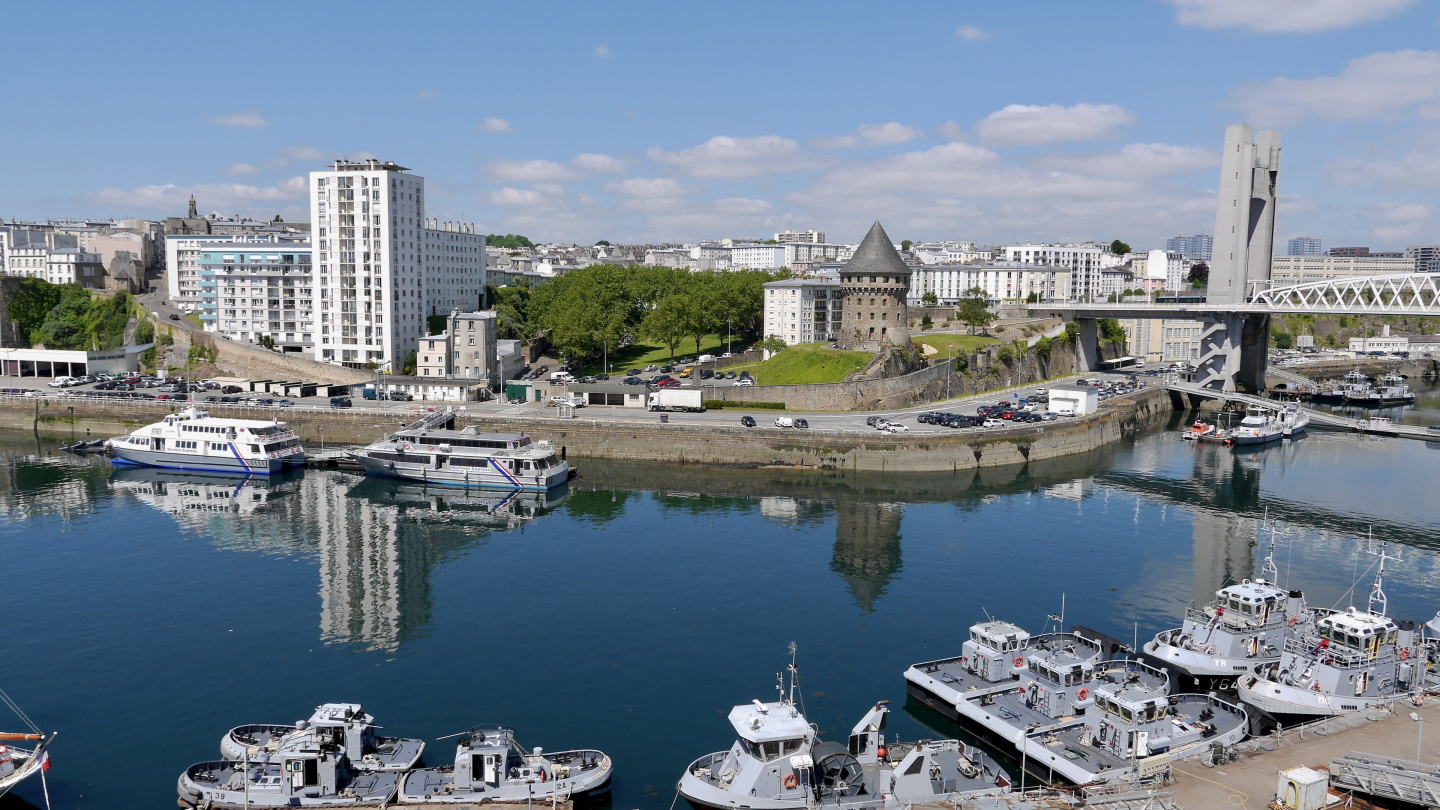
(1001, 281)
(1286, 270)
(1084, 261)
(454, 267)
(757, 257)
(803, 310)
(790, 237)
(368, 221)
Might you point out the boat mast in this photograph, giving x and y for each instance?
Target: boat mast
(1269, 572)
(1377, 590)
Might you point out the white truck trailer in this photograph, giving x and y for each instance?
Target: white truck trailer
(677, 399)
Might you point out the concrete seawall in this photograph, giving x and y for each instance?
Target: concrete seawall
(646, 439)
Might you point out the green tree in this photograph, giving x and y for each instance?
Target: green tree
(668, 322)
(1032, 298)
(509, 240)
(773, 344)
(407, 368)
(770, 242)
(1281, 340)
(972, 311)
(144, 332)
(512, 312)
(1199, 275)
(926, 323)
(603, 242)
(30, 301)
(930, 299)
(905, 244)
(79, 321)
(1119, 248)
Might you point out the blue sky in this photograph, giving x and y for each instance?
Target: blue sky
(993, 122)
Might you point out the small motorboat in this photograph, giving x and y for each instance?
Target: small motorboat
(1199, 430)
(83, 447)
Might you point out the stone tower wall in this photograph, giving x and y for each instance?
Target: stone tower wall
(874, 311)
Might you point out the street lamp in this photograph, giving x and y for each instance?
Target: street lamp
(1420, 739)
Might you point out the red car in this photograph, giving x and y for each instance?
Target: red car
(1005, 414)
(668, 384)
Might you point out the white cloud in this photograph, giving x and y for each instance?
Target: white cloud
(1370, 86)
(306, 153)
(249, 119)
(871, 135)
(730, 215)
(241, 169)
(1284, 16)
(493, 124)
(726, 157)
(530, 171)
(600, 164)
(1052, 123)
(953, 131)
(602, 51)
(1136, 160)
(970, 33)
(1420, 167)
(650, 187)
(228, 197)
(1401, 222)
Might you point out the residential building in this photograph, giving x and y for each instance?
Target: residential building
(1358, 252)
(1084, 260)
(432, 356)
(803, 310)
(1001, 281)
(814, 253)
(1157, 340)
(368, 219)
(454, 267)
(1425, 257)
(1380, 343)
(257, 289)
(1245, 227)
(1288, 270)
(75, 266)
(1199, 247)
(1169, 268)
(709, 256)
(757, 257)
(1304, 246)
(512, 359)
(791, 237)
(668, 257)
(948, 253)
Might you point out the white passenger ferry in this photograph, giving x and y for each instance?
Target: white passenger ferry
(194, 440)
(430, 450)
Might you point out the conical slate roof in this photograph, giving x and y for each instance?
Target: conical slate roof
(876, 254)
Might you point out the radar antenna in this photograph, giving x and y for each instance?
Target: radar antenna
(1059, 618)
(1377, 590)
(1269, 573)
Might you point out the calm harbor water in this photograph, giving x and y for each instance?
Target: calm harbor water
(150, 612)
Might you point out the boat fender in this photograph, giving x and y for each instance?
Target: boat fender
(964, 660)
(791, 781)
(881, 751)
(1082, 694)
(542, 774)
(1019, 661)
(405, 446)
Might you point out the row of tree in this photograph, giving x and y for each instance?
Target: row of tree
(594, 310)
(68, 316)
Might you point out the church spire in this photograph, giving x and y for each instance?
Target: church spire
(192, 214)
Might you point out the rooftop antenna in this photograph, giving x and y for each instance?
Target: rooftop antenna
(794, 671)
(1059, 619)
(1377, 590)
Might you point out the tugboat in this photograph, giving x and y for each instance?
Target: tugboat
(1348, 662)
(311, 773)
(429, 450)
(341, 724)
(1246, 625)
(779, 763)
(1293, 421)
(491, 767)
(1260, 426)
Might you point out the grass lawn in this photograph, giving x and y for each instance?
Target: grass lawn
(960, 344)
(806, 364)
(639, 355)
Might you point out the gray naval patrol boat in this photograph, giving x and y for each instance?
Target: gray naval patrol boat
(1064, 711)
(344, 725)
(430, 450)
(1246, 626)
(491, 767)
(310, 773)
(1349, 661)
(779, 763)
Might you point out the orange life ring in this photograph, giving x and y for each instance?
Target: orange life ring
(1083, 693)
(791, 781)
(1019, 661)
(1293, 620)
(1404, 653)
(542, 774)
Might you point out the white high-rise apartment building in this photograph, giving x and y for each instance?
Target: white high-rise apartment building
(803, 310)
(368, 225)
(454, 267)
(1085, 261)
(811, 235)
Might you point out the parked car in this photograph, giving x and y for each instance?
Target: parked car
(229, 389)
(632, 381)
(994, 423)
(784, 422)
(706, 374)
(895, 427)
(635, 371)
(340, 402)
(730, 375)
(1049, 416)
(651, 367)
(174, 317)
(745, 381)
(401, 396)
(801, 423)
(747, 421)
(871, 421)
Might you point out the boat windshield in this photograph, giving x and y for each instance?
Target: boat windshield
(767, 751)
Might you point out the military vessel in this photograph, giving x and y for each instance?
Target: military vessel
(491, 767)
(345, 725)
(778, 762)
(430, 450)
(1348, 662)
(1247, 624)
(311, 774)
(194, 440)
(1391, 391)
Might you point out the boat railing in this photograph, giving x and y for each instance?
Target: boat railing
(1331, 655)
(1230, 618)
(429, 421)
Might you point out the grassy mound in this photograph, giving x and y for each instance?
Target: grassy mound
(806, 364)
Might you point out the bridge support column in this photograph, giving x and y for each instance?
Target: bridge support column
(1234, 351)
(1087, 347)
(1254, 354)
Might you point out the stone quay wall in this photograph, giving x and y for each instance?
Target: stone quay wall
(645, 438)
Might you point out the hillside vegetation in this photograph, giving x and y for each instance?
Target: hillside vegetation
(806, 364)
(67, 316)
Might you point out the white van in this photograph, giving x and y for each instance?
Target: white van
(784, 422)
(705, 358)
(562, 377)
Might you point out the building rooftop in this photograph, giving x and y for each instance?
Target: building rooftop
(876, 254)
(368, 165)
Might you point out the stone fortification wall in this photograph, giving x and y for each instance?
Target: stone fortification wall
(644, 438)
(10, 337)
(980, 371)
(242, 360)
